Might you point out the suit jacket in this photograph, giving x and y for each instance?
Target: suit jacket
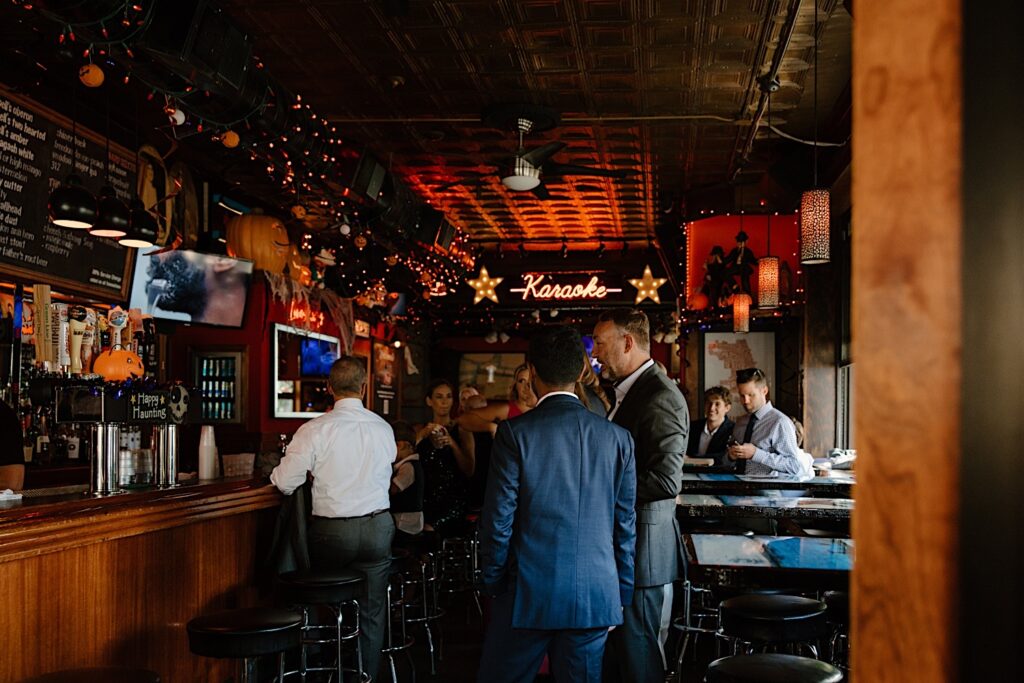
(558, 524)
(654, 411)
(717, 447)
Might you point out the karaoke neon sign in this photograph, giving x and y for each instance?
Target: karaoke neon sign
(538, 287)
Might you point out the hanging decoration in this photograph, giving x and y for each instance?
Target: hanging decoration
(814, 203)
(484, 285)
(91, 75)
(741, 312)
(647, 286)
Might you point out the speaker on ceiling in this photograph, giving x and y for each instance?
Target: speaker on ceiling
(198, 40)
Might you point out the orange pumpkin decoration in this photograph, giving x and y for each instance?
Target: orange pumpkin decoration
(298, 267)
(698, 302)
(91, 75)
(230, 139)
(260, 238)
(118, 365)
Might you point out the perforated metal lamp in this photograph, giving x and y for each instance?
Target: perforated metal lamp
(768, 282)
(71, 205)
(741, 312)
(141, 228)
(114, 216)
(814, 227)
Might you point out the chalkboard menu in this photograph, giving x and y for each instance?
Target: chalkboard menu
(35, 157)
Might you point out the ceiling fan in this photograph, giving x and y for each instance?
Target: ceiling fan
(524, 171)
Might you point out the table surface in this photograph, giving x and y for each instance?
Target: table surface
(770, 552)
(700, 505)
(837, 483)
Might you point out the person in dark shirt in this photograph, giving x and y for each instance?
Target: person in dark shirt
(12, 460)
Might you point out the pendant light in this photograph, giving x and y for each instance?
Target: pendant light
(142, 225)
(741, 312)
(114, 216)
(814, 203)
(768, 265)
(71, 205)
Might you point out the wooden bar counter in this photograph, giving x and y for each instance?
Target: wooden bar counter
(113, 581)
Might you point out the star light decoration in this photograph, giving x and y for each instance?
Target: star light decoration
(484, 285)
(647, 286)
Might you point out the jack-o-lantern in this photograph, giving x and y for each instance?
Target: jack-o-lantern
(91, 75)
(298, 267)
(260, 238)
(118, 365)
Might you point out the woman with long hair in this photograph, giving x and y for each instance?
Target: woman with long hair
(590, 392)
(447, 456)
(520, 399)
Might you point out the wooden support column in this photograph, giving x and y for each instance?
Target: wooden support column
(906, 337)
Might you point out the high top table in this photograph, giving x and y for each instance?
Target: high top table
(704, 505)
(769, 561)
(838, 485)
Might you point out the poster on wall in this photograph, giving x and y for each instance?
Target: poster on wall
(385, 382)
(727, 352)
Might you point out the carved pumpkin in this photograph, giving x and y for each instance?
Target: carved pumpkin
(260, 238)
(91, 75)
(117, 365)
(298, 267)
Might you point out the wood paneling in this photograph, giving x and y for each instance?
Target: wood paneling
(116, 584)
(906, 337)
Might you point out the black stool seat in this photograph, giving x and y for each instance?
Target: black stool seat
(772, 618)
(103, 674)
(242, 633)
(321, 586)
(771, 668)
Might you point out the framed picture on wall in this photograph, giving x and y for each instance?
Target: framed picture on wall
(727, 352)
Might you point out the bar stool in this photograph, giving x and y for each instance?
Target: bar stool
(337, 590)
(246, 634)
(396, 637)
(771, 668)
(424, 608)
(101, 674)
(838, 616)
(459, 564)
(771, 620)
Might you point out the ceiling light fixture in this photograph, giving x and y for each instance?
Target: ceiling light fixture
(523, 176)
(142, 225)
(741, 312)
(768, 266)
(814, 203)
(71, 205)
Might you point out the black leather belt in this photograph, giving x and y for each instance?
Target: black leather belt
(368, 515)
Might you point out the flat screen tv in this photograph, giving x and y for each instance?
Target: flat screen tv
(188, 286)
(317, 356)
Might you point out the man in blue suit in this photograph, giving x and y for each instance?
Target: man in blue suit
(558, 527)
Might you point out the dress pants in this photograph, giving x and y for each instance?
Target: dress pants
(635, 651)
(363, 544)
(513, 655)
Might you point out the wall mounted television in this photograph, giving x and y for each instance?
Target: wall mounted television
(191, 287)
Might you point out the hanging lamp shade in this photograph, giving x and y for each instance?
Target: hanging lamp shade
(71, 205)
(814, 227)
(768, 282)
(741, 312)
(114, 216)
(141, 228)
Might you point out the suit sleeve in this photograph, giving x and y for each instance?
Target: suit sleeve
(625, 521)
(662, 432)
(499, 511)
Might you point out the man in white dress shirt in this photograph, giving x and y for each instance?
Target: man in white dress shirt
(350, 451)
(766, 440)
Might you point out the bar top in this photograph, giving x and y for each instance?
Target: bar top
(39, 524)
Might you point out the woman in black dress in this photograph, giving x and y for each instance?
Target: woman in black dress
(447, 455)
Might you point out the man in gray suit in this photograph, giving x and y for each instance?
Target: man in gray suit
(653, 409)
